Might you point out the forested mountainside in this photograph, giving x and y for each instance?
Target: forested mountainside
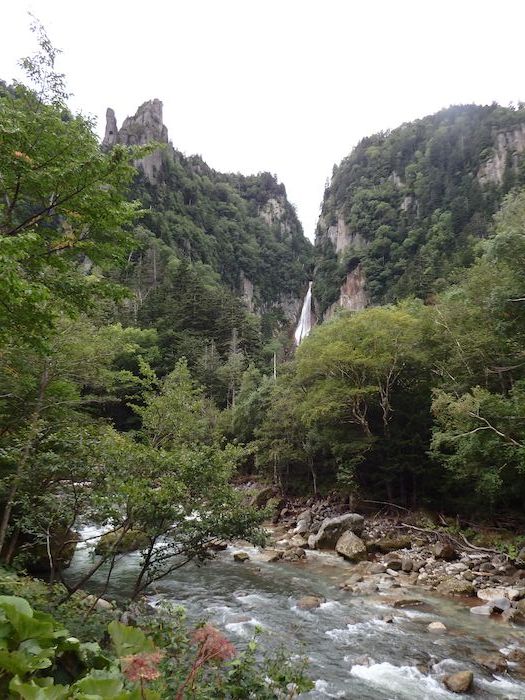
(405, 210)
(222, 263)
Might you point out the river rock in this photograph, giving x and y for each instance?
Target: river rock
(393, 563)
(376, 568)
(241, 556)
(406, 565)
(499, 605)
(499, 592)
(520, 606)
(459, 682)
(271, 555)
(294, 554)
(298, 541)
(310, 602)
(301, 528)
(305, 516)
(333, 528)
(481, 609)
(444, 550)
(218, 546)
(351, 547)
(456, 586)
(494, 662)
(520, 559)
(436, 627)
(390, 544)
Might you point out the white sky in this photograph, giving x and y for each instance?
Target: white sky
(287, 86)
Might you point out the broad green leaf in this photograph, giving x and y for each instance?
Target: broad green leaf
(128, 640)
(32, 691)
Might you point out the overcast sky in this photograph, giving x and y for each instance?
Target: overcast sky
(286, 86)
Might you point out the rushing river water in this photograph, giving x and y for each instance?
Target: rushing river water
(406, 660)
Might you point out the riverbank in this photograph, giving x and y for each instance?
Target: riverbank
(388, 553)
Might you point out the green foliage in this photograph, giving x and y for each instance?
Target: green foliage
(39, 660)
(413, 203)
(62, 202)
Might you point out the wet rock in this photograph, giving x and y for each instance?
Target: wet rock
(298, 541)
(333, 528)
(294, 554)
(351, 581)
(517, 656)
(444, 550)
(310, 602)
(388, 619)
(241, 556)
(455, 586)
(218, 546)
(131, 541)
(351, 547)
(498, 592)
(362, 661)
(391, 544)
(513, 615)
(495, 662)
(459, 682)
(407, 603)
(271, 555)
(436, 627)
(469, 576)
(481, 609)
(499, 605)
(406, 565)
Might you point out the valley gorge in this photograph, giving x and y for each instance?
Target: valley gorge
(315, 449)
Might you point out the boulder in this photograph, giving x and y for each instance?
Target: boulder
(520, 606)
(241, 557)
(407, 603)
(406, 565)
(520, 559)
(499, 605)
(351, 547)
(377, 568)
(455, 586)
(444, 550)
(436, 627)
(459, 682)
(261, 498)
(332, 528)
(309, 602)
(131, 541)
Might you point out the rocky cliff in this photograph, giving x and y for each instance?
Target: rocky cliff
(241, 228)
(406, 207)
(146, 126)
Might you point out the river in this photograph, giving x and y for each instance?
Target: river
(406, 661)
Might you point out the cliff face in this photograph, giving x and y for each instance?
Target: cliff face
(241, 229)
(406, 207)
(146, 126)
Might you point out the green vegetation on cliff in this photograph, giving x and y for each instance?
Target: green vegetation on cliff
(412, 203)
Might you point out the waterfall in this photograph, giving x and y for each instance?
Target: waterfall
(305, 321)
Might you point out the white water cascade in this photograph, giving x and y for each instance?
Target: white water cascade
(305, 321)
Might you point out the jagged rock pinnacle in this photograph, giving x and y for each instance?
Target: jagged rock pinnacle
(144, 127)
